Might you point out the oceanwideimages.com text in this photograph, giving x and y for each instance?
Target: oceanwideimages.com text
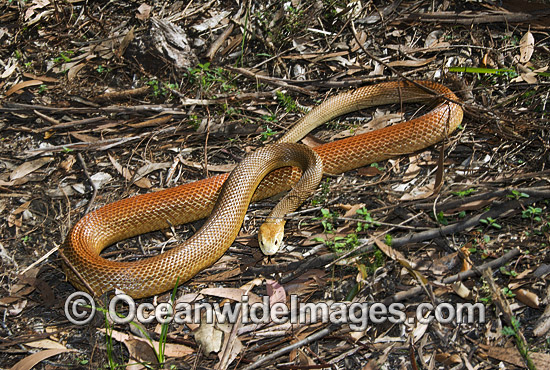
(358, 315)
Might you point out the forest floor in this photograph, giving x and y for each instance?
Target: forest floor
(136, 98)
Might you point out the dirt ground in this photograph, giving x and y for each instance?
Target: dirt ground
(102, 101)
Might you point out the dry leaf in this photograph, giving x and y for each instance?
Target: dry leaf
(140, 352)
(144, 11)
(22, 85)
(528, 298)
(461, 289)
(231, 293)
(46, 344)
(526, 47)
(30, 361)
(125, 42)
(73, 70)
(411, 63)
(28, 167)
(210, 337)
(275, 291)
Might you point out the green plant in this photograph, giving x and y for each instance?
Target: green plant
(287, 101)
(534, 213)
(63, 57)
(322, 196)
(267, 133)
(327, 217)
(377, 166)
(464, 193)
(207, 77)
(388, 239)
(517, 195)
(507, 272)
(161, 89)
(369, 222)
(441, 218)
(514, 331)
(101, 69)
(490, 222)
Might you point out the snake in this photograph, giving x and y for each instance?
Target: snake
(264, 173)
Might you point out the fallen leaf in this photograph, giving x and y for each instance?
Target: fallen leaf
(526, 47)
(28, 167)
(275, 291)
(234, 294)
(30, 361)
(45, 343)
(461, 289)
(411, 63)
(22, 85)
(528, 298)
(144, 11)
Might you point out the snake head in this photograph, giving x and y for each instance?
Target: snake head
(271, 235)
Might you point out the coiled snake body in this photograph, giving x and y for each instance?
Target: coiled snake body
(193, 201)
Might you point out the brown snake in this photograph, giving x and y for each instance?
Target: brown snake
(196, 200)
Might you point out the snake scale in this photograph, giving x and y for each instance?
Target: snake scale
(185, 203)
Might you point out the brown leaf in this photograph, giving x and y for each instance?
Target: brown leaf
(22, 85)
(231, 293)
(28, 167)
(526, 47)
(275, 291)
(528, 298)
(30, 361)
(73, 70)
(139, 352)
(125, 42)
(411, 63)
(144, 11)
(369, 171)
(351, 210)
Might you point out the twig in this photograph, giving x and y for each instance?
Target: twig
(420, 86)
(401, 296)
(495, 212)
(94, 187)
(320, 334)
(269, 80)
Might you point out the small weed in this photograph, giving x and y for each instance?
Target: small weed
(388, 239)
(101, 69)
(195, 121)
(490, 222)
(207, 77)
(42, 88)
(507, 272)
(441, 219)
(325, 191)
(464, 193)
(287, 102)
(517, 195)
(160, 89)
(534, 213)
(362, 226)
(520, 344)
(25, 239)
(377, 166)
(326, 220)
(267, 133)
(508, 292)
(64, 57)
